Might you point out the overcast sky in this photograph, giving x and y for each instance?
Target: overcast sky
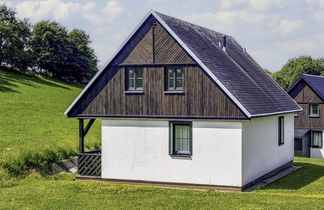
(272, 30)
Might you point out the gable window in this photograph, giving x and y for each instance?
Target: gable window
(134, 78)
(281, 130)
(313, 110)
(180, 138)
(317, 139)
(174, 78)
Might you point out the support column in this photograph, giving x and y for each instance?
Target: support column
(81, 136)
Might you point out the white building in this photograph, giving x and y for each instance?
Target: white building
(187, 106)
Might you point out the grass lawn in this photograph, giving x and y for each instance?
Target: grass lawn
(303, 189)
(33, 128)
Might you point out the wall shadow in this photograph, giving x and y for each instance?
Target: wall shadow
(299, 178)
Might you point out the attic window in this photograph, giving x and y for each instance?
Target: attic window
(313, 110)
(174, 79)
(134, 78)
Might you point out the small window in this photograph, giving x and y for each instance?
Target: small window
(313, 110)
(180, 139)
(281, 130)
(296, 115)
(174, 78)
(317, 139)
(134, 78)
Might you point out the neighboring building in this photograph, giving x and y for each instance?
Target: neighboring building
(184, 105)
(308, 92)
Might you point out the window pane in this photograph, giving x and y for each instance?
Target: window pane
(139, 83)
(179, 83)
(171, 83)
(131, 83)
(170, 73)
(314, 109)
(179, 73)
(131, 73)
(317, 139)
(182, 139)
(139, 73)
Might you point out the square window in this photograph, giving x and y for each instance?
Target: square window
(174, 78)
(317, 139)
(281, 130)
(313, 110)
(134, 78)
(180, 139)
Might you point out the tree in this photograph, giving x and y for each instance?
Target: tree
(62, 54)
(51, 47)
(296, 67)
(86, 58)
(14, 40)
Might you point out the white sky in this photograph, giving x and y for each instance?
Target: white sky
(272, 30)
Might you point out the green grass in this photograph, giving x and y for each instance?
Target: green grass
(33, 129)
(303, 189)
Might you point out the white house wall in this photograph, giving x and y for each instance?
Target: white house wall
(317, 152)
(261, 152)
(139, 150)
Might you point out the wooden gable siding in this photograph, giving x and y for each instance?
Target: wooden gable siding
(304, 121)
(167, 50)
(304, 98)
(143, 51)
(307, 95)
(159, 44)
(201, 98)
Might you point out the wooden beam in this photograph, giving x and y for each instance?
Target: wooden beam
(83, 132)
(90, 123)
(81, 136)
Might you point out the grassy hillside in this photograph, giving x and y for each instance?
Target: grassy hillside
(302, 189)
(33, 128)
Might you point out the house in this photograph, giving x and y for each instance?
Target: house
(308, 92)
(184, 105)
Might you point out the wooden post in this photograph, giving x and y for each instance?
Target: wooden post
(81, 136)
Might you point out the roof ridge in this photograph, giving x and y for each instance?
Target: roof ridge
(194, 24)
(312, 75)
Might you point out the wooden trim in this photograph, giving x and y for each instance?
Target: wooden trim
(85, 116)
(268, 175)
(162, 184)
(156, 64)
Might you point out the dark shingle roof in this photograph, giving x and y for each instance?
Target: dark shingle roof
(300, 132)
(235, 69)
(315, 82)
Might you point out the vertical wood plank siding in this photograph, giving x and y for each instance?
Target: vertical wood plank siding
(201, 98)
(167, 50)
(303, 98)
(143, 51)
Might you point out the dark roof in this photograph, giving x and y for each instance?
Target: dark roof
(234, 71)
(316, 83)
(300, 132)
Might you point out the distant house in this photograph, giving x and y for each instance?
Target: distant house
(308, 92)
(184, 105)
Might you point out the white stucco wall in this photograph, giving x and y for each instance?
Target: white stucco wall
(139, 150)
(317, 152)
(261, 152)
